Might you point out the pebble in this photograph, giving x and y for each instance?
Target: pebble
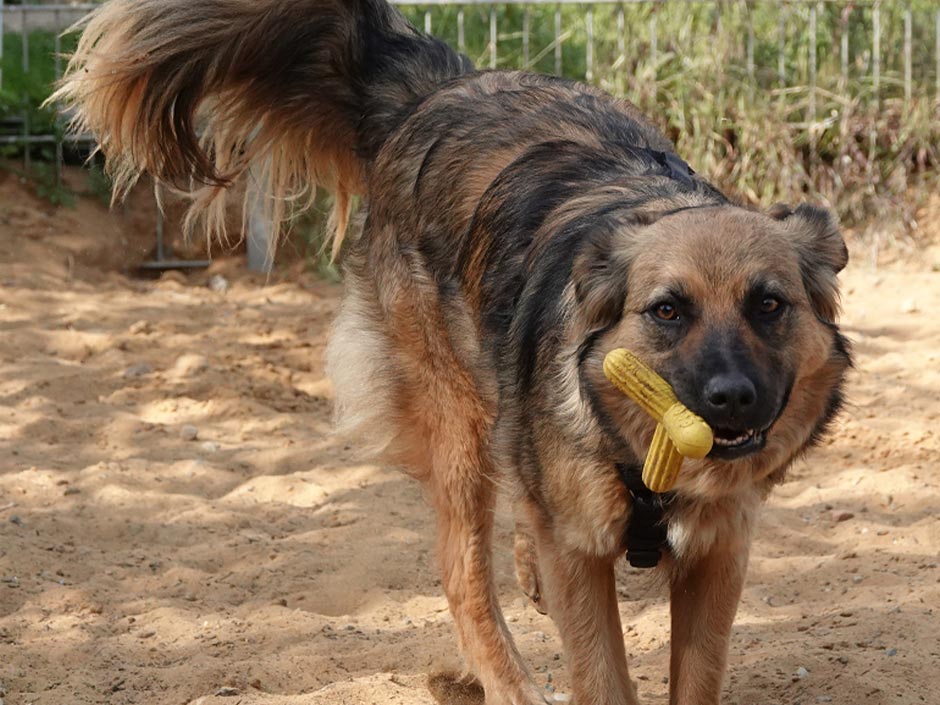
(218, 284)
(141, 369)
(70, 491)
(844, 516)
(188, 432)
(891, 652)
(823, 699)
(11, 581)
(211, 447)
(801, 672)
(140, 328)
(190, 365)
(226, 692)
(15, 519)
(909, 306)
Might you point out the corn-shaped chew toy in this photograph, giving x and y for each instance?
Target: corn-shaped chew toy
(679, 433)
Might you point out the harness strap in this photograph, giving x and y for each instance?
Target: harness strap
(646, 532)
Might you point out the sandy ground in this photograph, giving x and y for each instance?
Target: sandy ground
(258, 563)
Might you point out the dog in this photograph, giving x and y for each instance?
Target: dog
(518, 228)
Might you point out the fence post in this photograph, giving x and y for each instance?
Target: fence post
(461, 31)
(24, 59)
(2, 13)
(526, 34)
(876, 50)
(813, 58)
(589, 50)
(493, 38)
(907, 55)
(781, 46)
(259, 240)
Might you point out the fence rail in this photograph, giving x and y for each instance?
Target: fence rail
(825, 52)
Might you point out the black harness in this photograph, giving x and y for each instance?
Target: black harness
(647, 537)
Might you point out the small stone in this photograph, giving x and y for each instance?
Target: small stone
(146, 634)
(218, 284)
(141, 369)
(801, 673)
(844, 516)
(909, 306)
(140, 328)
(11, 581)
(843, 660)
(15, 519)
(189, 432)
(226, 692)
(190, 365)
(891, 652)
(211, 447)
(823, 699)
(70, 491)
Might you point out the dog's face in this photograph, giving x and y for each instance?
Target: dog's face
(736, 311)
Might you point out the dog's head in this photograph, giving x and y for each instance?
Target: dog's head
(736, 310)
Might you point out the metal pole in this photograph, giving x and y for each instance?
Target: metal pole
(621, 35)
(526, 32)
(2, 13)
(907, 55)
(781, 46)
(461, 32)
(57, 49)
(24, 60)
(589, 58)
(493, 38)
(876, 50)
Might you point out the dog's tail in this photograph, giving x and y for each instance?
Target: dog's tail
(296, 93)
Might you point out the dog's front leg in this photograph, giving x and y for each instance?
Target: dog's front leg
(705, 594)
(583, 603)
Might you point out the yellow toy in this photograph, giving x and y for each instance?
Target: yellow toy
(679, 433)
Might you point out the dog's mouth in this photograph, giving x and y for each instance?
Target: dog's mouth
(731, 444)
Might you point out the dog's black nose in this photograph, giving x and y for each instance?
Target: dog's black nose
(730, 396)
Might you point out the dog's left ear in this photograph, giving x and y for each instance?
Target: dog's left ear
(822, 251)
(599, 275)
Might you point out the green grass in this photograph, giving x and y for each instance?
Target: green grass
(865, 155)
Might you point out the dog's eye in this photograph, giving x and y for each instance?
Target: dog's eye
(770, 304)
(666, 311)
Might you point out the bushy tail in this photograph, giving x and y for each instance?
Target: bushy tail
(294, 93)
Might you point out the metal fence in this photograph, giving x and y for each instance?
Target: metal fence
(867, 50)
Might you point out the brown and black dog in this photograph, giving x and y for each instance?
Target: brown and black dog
(518, 227)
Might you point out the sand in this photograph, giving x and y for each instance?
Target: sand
(178, 526)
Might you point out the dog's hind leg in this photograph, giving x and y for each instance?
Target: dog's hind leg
(464, 493)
